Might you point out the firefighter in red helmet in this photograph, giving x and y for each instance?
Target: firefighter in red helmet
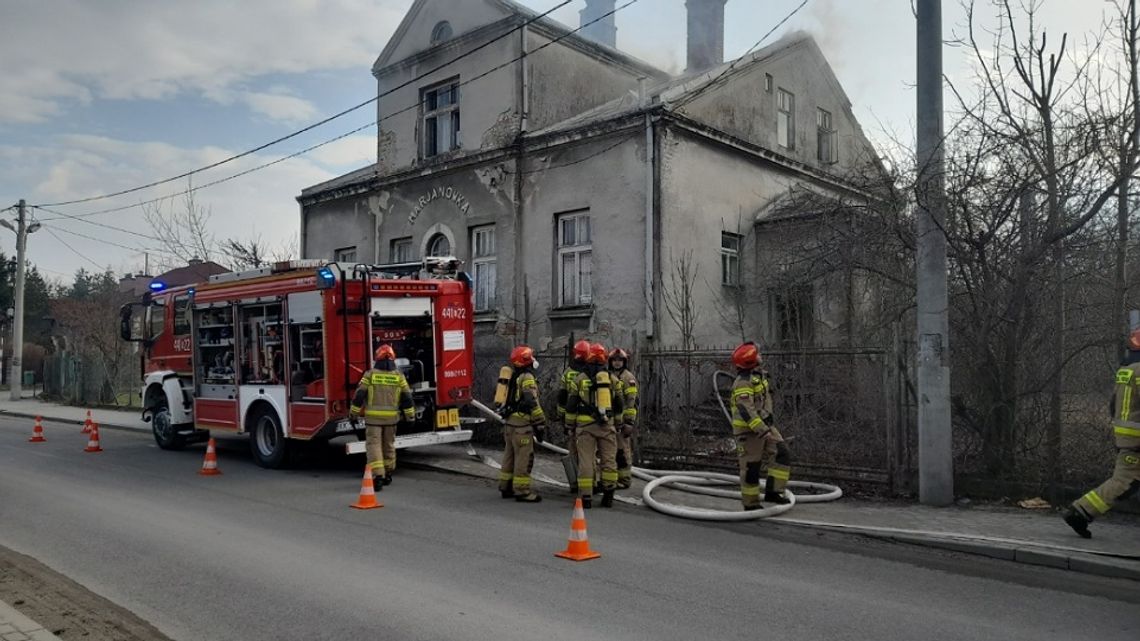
(568, 386)
(516, 399)
(625, 395)
(591, 403)
(759, 446)
(1125, 480)
(385, 399)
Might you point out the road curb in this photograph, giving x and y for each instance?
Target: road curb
(71, 421)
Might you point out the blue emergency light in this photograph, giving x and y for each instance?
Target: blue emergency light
(326, 278)
(157, 286)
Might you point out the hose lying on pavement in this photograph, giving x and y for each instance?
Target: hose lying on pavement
(707, 483)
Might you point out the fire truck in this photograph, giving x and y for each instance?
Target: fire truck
(276, 353)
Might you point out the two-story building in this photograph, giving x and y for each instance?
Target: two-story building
(592, 194)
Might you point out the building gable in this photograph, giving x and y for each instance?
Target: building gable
(420, 23)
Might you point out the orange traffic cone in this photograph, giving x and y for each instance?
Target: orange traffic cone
(367, 500)
(87, 423)
(578, 549)
(93, 440)
(210, 463)
(37, 432)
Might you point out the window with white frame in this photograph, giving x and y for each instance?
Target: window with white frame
(345, 255)
(439, 245)
(401, 251)
(574, 259)
(730, 258)
(785, 119)
(441, 118)
(484, 266)
(768, 83)
(826, 148)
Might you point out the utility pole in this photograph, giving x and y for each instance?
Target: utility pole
(935, 456)
(22, 230)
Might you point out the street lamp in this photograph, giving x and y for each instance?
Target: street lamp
(22, 229)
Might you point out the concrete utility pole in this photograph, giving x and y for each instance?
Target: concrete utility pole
(22, 229)
(935, 456)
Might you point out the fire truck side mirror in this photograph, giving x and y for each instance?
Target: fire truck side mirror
(130, 326)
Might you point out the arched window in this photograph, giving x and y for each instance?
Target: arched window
(441, 32)
(439, 245)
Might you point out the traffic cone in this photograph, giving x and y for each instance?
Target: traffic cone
(87, 423)
(578, 549)
(210, 463)
(367, 500)
(93, 440)
(37, 432)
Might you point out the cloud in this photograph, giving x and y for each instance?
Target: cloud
(282, 107)
(135, 49)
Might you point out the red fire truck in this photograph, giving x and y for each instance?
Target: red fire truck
(276, 353)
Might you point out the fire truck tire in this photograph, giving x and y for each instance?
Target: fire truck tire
(165, 431)
(266, 440)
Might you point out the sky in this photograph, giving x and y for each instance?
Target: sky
(97, 97)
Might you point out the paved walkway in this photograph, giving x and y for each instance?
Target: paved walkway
(17, 627)
(1029, 536)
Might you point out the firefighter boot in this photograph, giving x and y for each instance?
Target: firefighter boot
(529, 497)
(587, 502)
(506, 490)
(377, 483)
(388, 478)
(755, 506)
(771, 495)
(1077, 521)
(608, 498)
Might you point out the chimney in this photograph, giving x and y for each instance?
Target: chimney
(603, 31)
(195, 261)
(706, 34)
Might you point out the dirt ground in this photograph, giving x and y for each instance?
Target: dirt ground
(64, 607)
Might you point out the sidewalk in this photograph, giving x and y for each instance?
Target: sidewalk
(17, 627)
(1037, 537)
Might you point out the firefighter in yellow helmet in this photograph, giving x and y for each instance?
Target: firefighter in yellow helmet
(516, 400)
(592, 405)
(568, 386)
(385, 399)
(1125, 480)
(759, 446)
(625, 395)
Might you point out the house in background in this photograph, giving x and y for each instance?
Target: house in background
(590, 193)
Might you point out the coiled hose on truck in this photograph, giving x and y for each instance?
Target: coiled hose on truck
(707, 483)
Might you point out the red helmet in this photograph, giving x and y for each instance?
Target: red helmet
(385, 353)
(597, 354)
(619, 354)
(1134, 340)
(581, 350)
(522, 356)
(747, 356)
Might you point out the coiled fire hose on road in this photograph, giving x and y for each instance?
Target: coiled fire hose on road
(707, 483)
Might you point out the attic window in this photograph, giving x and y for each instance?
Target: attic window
(441, 32)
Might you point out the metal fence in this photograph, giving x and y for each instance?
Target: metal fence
(77, 379)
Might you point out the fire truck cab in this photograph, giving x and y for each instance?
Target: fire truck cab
(276, 353)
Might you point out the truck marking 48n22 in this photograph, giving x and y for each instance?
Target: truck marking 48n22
(276, 352)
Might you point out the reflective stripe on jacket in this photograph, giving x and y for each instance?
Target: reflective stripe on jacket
(751, 402)
(383, 397)
(625, 389)
(1126, 407)
(527, 409)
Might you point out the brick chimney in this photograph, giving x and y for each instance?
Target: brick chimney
(603, 31)
(706, 34)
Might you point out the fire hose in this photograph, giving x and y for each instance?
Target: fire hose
(707, 483)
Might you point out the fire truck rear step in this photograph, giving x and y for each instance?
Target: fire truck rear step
(417, 440)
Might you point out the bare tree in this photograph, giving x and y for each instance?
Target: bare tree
(183, 227)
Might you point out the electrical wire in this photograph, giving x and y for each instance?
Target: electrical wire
(693, 96)
(60, 215)
(141, 250)
(573, 162)
(319, 123)
(374, 123)
(73, 250)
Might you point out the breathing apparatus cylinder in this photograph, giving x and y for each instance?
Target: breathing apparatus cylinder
(603, 398)
(504, 384)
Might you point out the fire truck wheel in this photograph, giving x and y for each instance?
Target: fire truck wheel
(165, 431)
(268, 444)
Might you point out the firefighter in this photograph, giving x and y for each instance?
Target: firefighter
(593, 408)
(1125, 481)
(516, 399)
(385, 399)
(569, 387)
(759, 446)
(625, 392)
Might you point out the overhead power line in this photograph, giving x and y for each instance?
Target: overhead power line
(374, 123)
(141, 250)
(319, 123)
(60, 215)
(73, 250)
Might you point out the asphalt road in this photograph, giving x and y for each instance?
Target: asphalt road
(260, 554)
